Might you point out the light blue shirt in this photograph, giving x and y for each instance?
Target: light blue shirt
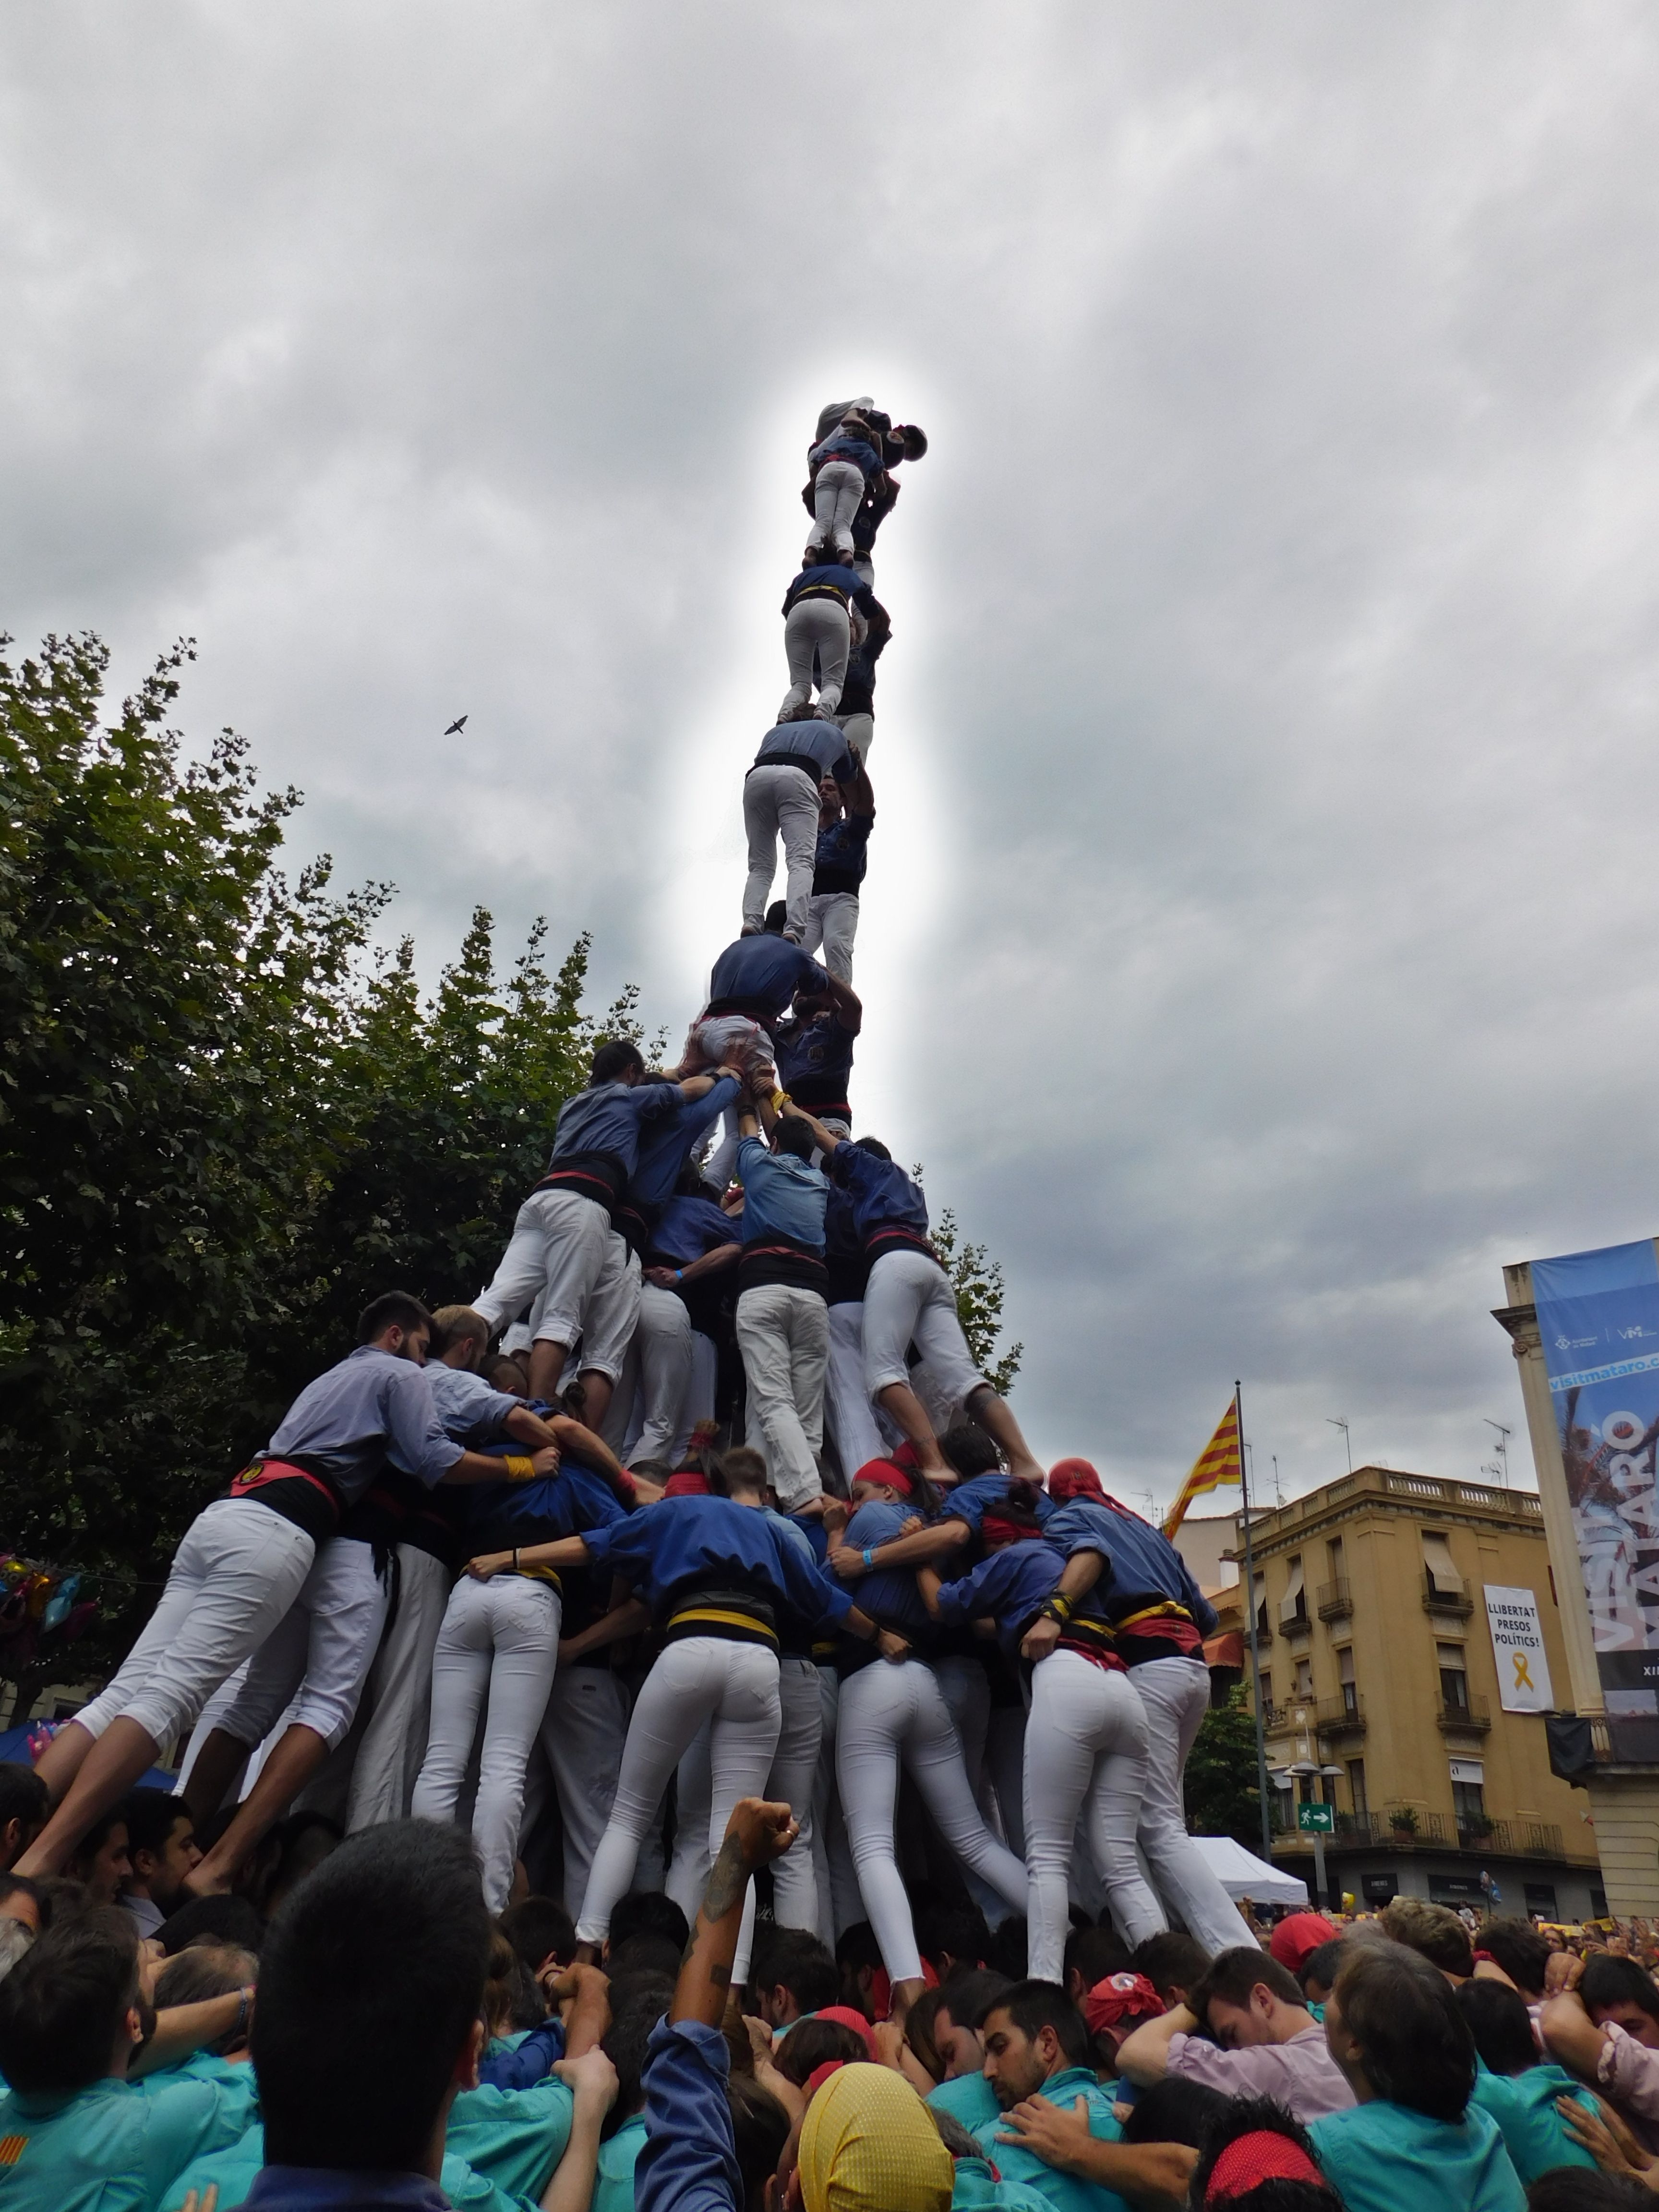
(782, 1196)
(1387, 2158)
(369, 1408)
(1065, 2192)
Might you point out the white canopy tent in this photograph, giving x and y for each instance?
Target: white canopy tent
(1242, 1875)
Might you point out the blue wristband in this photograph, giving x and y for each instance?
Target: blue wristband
(865, 1555)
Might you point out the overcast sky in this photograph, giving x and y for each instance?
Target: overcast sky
(1258, 947)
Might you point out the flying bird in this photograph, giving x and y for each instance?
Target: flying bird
(456, 726)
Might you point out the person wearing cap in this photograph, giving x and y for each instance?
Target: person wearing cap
(843, 855)
(1296, 1939)
(893, 1715)
(1246, 2032)
(780, 800)
(1085, 1743)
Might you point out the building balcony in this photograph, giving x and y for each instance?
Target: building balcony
(1458, 1716)
(1296, 1622)
(1436, 1598)
(1335, 1600)
(1340, 1716)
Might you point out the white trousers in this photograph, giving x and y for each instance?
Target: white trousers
(1085, 1751)
(908, 1300)
(832, 923)
(791, 1782)
(816, 628)
(658, 1370)
(783, 1334)
(236, 1572)
(735, 1686)
(564, 1255)
(497, 1649)
(839, 1902)
(859, 731)
(837, 495)
(582, 1734)
(889, 1713)
(313, 1665)
(780, 802)
(398, 1695)
(1175, 1694)
(847, 1407)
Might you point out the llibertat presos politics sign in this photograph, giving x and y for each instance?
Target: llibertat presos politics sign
(1517, 1645)
(1598, 1320)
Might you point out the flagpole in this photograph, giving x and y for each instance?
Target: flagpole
(1250, 1632)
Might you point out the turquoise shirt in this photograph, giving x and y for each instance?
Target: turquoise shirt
(978, 2190)
(967, 2097)
(1386, 2158)
(233, 2173)
(613, 2184)
(111, 2148)
(233, 2078)
(513, 2136)
(1065, 2192)
(1523, 2106)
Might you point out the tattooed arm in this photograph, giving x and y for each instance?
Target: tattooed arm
(755, 1834)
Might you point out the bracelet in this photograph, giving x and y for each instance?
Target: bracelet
(865, 1555)
(679, 1274)
(515, 1559)
(519, 1469)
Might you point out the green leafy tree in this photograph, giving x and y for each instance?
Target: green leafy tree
(976, 1279)
(1224, 1795)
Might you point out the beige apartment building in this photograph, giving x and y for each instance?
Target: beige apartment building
(1378, 1669)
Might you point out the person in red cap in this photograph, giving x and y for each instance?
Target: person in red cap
(1296, 1939)
(1256, 2146)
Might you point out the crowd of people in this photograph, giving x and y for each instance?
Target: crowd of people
(693, 1581)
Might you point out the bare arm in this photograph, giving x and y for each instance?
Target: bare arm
(825, 1140)
(1571, 2036)
(594, 2078)
(1145, 2055)
(712, 1263)
(918, 1551)
(479, 1467)
(587, 1444)
(588, 1993)
(182, 2029)
(528, 1428)
(615, 1627)
(562, 1552)
(755, 1834)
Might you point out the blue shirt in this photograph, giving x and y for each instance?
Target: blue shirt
(782, 1196)
(688, 1229)
(1007, 1586)
(846, 446)
(883, 1195)
(540, 1511)
(666, 1146)
(688, 2162)
(1142, 1565)
(1523, 2106)
(981, 1494)
(821, 575)
(515, 2061)
(1382, 2157)
(814, 740)
(330, 2189)
(764, 971)
(369, 1408)
(844, 846)
(890, 1593)
(687, 1542)
(469, 1410)
(608, 1117)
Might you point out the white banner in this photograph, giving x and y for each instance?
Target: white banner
(1517, 1643)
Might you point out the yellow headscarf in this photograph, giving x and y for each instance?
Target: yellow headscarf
(868, 2145)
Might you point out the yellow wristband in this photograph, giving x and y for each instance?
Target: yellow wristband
(519, 1469)
(780, 1100)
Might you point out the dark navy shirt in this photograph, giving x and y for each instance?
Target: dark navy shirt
(666, 1144)
(688, 1228)
(1007, 1586)
(764, 972)
(826, 576)
(843, 852)
(815, 1059)
(608, 1118)
(884, 1197)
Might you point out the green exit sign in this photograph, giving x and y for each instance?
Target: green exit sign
(1317, 1820)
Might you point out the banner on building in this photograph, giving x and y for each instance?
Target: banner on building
(1598, 1320)
(1517, 1645)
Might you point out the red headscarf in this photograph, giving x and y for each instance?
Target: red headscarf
(1120, 1997)
(848, 2016)
(888, 1473)
(1249, 2161)
(997, 1529)
(1074, 1477)
(1297, 1937)
(688, 1482)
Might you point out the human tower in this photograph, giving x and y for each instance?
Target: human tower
(502, 1530)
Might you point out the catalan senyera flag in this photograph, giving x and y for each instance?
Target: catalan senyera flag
(1217, 1463)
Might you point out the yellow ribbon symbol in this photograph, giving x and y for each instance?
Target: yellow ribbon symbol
(1522, 1680)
